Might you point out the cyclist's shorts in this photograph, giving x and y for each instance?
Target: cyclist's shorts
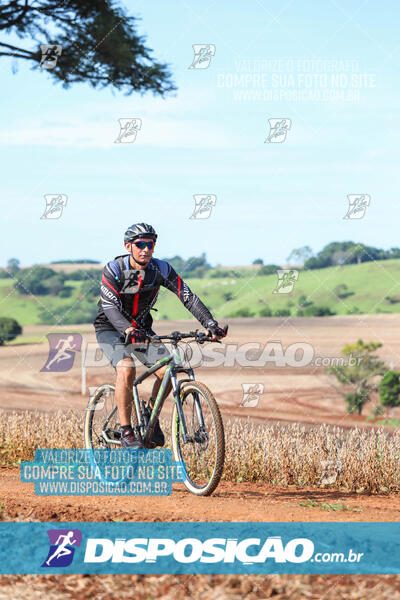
(112, 345)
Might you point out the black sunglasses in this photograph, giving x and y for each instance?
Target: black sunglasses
(142, 245)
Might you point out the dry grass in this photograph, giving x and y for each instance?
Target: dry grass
(200, 587)
(277, 454)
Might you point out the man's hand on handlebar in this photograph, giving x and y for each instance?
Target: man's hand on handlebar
(135, 336)
(215, 331)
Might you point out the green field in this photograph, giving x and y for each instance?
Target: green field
(369, 283)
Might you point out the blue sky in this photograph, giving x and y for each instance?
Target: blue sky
(209, 138)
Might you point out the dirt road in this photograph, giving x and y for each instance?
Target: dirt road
(230, 502)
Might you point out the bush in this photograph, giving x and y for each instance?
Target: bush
(65, 292)
(355, 402)
(88, 261)
(227, 296)
(265, 312)
(389, 389)
(242, 312)
(33, 280)
(84, 274)
(90, 289)
(55, 284)
(268, 270)
(342, 291)
(392, 299)
(69, 315)
(315, 311)
(9, 329)
(224, 273)
(281, 312)
(354, 311)
(303, 302)
(198, 272)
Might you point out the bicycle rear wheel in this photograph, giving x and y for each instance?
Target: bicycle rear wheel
(204, 452)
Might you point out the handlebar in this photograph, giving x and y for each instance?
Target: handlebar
(176, 336)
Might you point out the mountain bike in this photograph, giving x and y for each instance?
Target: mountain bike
(197, 429)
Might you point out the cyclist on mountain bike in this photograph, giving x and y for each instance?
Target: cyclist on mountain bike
(129, 289)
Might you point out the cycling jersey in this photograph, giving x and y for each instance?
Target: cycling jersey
(127, 295)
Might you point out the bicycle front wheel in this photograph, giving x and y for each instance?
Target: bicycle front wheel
(204, 451)
(101, 427)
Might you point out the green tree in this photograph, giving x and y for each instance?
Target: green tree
(342, 253)
(55, 284)
(99, 42)
(227, 296)
(13, 266)
(315, 311)
(389, 390)
(268, 270)
(90, 289)
(342, 291)
(33, 280)
(303, 302)
(9, 329)
(299, 256)
(258, 261)
(190, 265)
(358, 376)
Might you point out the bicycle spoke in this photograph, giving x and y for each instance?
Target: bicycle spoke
(103, 420)
(200, 452)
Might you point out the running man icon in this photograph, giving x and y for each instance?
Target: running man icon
(62, 347)
(62, 351)
(62, 547)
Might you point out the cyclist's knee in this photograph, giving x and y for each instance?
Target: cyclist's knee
(125, 370)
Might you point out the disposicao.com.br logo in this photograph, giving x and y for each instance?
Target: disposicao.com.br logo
(190, 550)
(169, 554)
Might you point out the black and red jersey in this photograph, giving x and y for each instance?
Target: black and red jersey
(127, 295)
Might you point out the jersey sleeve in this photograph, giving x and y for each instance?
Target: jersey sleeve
(189, 299)
(110, 297)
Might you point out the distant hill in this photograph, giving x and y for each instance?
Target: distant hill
(71, 267)
(366, 288)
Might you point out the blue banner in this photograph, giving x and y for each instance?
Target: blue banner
(102, 472)
(229, 548)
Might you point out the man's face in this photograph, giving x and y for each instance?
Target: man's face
(141, 255)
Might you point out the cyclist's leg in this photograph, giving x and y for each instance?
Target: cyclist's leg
(118, 354)
(148, 356)
(125, 370)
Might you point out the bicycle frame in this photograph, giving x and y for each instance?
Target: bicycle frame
(174, 367)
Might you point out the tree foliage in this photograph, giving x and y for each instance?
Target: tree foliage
(9, 329)
(39, 281)
(268, 270)
(191, 266)
(358, 376)
(99, 43)
(13, 266)
(389, 389)
(344, 253)
(299, 256)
